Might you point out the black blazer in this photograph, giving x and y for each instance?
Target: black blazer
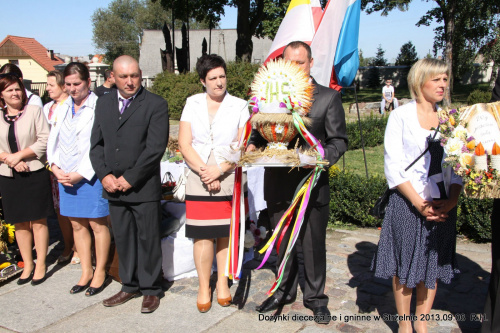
(328, 126)
(130, 144)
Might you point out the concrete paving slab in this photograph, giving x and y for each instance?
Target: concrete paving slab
(175, 314)
(240, 322)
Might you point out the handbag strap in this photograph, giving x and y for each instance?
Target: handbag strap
(425, 151)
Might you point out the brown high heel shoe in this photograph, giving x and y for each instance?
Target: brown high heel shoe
(207, 306)
(224, 301)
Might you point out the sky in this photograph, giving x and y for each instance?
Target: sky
(45, 21)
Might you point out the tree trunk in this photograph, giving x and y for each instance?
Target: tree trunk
(449, 26)
(244, 45)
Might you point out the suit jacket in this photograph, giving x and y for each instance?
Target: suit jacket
(495, 94)
(131, 144)
(328, 126)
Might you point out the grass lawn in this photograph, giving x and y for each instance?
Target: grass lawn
(354, 161)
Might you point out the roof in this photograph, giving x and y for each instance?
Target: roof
(33, 49)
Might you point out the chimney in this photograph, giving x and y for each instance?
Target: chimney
(50, 54)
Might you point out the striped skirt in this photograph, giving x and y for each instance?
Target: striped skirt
(208, 214)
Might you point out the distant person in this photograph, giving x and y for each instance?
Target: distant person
(108, 85)
(389, 102)
(418, 237)
(13, 69)
(492, 307)
(128, 140)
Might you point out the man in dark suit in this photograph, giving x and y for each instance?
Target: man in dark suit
(328, 126)
(128, 139)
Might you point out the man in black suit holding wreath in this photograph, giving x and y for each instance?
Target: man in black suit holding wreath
(328, 126)
(128, 139)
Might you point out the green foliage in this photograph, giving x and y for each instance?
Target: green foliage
(407, 55)
(177, 88)
(352, 196)
(474, 218)
(478, 96)
(239, 77)
(373, 132)
(379, 59)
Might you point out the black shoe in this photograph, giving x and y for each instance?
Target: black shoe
(78, 289)
(39, 281)
(28, 279)
(322, 315)
(94, 291)
(270, 304)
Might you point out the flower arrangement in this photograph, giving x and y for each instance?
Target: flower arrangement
(7, 235)
(467, 157)
(254, 235)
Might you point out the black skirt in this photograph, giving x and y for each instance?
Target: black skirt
(26, 196)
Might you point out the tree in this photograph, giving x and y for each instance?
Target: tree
(407, 55)
(379, 59)
(465, 25)
(118, 27)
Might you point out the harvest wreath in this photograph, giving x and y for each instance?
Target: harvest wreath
(469, 136)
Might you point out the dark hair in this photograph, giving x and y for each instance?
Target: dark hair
(295, 45)
(107, 74)
(8, 79)
(77, 68)
(59, 77)
(12, 69)
(208, 62)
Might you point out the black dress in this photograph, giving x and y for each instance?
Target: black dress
(27, 195)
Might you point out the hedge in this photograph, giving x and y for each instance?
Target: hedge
(176, 88)
(373, 132)
(351, 197)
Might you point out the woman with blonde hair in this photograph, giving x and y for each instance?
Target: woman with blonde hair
(417, 241)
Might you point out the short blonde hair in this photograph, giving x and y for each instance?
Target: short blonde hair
(422, 71)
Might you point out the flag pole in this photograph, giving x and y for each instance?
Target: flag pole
(360, 128)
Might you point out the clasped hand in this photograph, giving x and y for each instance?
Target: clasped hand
(210, 176)
(436, 210)
(15, 162)
(112, 184)
(66, 179)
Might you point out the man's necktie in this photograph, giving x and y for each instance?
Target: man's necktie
(125, 103)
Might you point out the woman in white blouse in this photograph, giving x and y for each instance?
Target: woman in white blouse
(80, 190)
(57, 92)
(417, 242)
(210, 123)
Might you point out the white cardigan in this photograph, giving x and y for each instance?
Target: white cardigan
(231, 116)
(83, 129)
(404, 141)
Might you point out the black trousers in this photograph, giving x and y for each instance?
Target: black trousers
(311, 242)
(492, 306)
(136, 229)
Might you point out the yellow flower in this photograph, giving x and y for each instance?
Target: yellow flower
(10, 229)
(466, 160)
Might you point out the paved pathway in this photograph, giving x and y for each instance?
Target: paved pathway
(356, 298)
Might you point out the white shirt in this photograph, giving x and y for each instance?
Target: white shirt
(404, 141)
(34, 100)
(388, 92)
(231, 116)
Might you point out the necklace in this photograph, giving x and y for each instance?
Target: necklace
(12, 118)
